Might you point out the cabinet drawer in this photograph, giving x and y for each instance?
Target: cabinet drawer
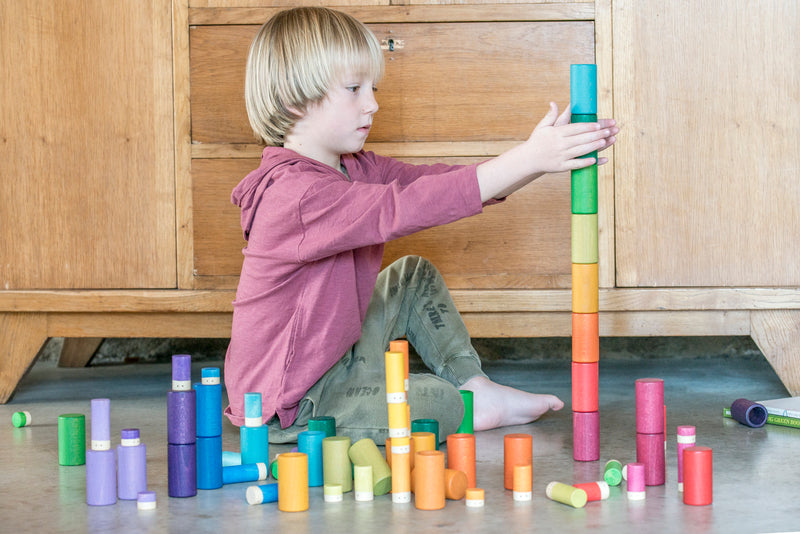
(444, 81)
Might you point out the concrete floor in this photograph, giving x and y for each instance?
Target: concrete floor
(755, 470)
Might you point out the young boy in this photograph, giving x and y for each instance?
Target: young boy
(313, 316)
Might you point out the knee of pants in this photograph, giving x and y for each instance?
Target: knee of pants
(431, 397)
(411, 263)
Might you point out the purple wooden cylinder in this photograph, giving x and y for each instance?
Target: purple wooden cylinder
(182, 470)
(650, 406)
(181, 417)
(749, 413)
(650, 452)
(181, 372)
(101, 477)
(131, 465)
(101, 424)
(586, 436)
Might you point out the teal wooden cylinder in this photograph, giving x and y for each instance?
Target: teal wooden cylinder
(584, 190)
(583, 88)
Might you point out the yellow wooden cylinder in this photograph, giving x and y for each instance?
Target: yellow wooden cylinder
(293, 482)
(423, 441)
(398, 420)
(585, 290)
(395, 373)
(584, 238)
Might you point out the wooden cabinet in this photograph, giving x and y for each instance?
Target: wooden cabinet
(87, 189)
(707, 190)
(124, 131)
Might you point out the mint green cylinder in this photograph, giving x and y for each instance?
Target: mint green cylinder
(584, 190)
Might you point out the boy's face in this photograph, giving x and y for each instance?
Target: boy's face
(337, 125)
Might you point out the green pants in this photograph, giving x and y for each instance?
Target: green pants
(410, 299)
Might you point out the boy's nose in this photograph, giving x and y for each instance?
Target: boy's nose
(370, 105)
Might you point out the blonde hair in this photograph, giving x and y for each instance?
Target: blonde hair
(295, 58)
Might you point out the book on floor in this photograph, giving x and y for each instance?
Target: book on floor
(786, 407)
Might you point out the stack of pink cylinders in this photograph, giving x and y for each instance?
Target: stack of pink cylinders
(650, 429)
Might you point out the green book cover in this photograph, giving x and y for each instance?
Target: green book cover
(772, 419)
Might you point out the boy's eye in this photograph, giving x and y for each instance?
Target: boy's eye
(353, 88)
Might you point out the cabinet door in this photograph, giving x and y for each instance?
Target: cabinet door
(86, 144)
(706, 178)
(453, 92)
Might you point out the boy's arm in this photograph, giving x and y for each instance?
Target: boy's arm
(554, 146)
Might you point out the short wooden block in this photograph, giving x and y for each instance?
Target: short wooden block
(586, 117)
(585, 387)
(584, 238)
(585, 289)
(584, 190)
(583, 88)
(585, 337)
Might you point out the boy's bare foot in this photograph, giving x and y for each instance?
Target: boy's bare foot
(496, 405)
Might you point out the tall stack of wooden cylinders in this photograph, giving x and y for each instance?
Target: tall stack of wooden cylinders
(585, 291)
(399, 426)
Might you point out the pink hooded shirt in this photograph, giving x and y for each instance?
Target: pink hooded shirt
(314, 249)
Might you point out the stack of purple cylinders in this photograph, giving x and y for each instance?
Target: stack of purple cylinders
(181, 430)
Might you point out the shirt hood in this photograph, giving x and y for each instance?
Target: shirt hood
(248, 194)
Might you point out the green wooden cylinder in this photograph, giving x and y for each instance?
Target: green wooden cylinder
(587, 117)
(323, 423)
(72, 439)
(466, 426)
(584, 190)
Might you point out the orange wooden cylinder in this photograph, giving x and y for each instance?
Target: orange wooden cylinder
(585, 337)
(455, 484)
(517, 450)
(461, 455)
(585, 288)
(401, 470)
(388, 447)
(523, 479)
(429, 480)
(293, 482)
(585, 388)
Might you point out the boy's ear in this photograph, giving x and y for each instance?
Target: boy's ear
(297, 112)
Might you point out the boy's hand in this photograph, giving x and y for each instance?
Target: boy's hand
(556, 145)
